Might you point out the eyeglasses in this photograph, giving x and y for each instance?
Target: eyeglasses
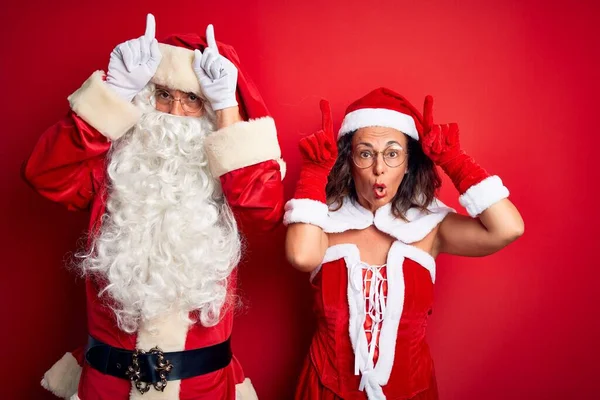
(393, 157)
(190, 102)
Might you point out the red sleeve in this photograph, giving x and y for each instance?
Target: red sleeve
(67, 162)
(79, 355)
(255, 194)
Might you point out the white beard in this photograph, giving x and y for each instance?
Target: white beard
(168, 240)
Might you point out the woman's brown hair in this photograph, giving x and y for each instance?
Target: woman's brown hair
(418, 188)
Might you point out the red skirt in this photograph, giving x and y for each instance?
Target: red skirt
(310, 388)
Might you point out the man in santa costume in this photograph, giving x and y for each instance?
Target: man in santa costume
(173, 152)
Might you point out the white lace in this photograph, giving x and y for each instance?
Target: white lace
(375, 304)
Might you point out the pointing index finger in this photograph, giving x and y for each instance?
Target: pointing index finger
(210, 37)
(327, 123)
(150, 28)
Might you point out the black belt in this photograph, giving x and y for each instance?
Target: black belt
(153, 366)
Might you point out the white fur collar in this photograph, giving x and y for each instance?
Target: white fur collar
(353, 216)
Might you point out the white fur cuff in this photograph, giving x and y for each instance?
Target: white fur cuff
(306, 211)
(245, 391)
(102, 108)
(63, 378)
(481, 196)
(242, 144)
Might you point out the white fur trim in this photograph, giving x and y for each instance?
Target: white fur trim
(62, 378)
(349, 216)
(353, 216)
(282, 167)
(74, 397)
(421, 257)
(169, 333)
(419, 223)
(379, 117)
(348, 251)
(175, 69)
(481, 196)
(242, 144)
(393, 313)
(245, 391)
(102, 108)
(305, 211)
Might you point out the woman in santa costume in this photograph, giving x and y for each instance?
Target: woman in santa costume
(364, 221)
(174, 154)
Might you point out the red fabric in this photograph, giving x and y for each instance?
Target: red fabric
(68, 166)
(255, 194)
(330, 366)
(464, 172)
(319, 152)
(441, 143)
(313, 389)
(67, 161)
(79, 355)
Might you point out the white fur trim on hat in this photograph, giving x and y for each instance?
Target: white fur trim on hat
(62, 378)
(481, 196)
(242, 144)
(379, 117)
(175, 69)
(102, 108)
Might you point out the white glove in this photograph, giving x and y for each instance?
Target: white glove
(217, 75)
(133, 63)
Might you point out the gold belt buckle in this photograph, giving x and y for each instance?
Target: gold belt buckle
(164, 368)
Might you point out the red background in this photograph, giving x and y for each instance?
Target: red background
(521, 79)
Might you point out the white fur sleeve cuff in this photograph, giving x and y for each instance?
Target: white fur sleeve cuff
(243, 144)
(63, 378)
(481, 196)
(306, 211)
(102, 108)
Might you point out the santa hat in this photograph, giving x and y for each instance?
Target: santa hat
(175, 72)
(386, 108)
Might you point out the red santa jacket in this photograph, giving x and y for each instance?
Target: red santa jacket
(68, 166)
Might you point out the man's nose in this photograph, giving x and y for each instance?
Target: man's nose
(176, 108)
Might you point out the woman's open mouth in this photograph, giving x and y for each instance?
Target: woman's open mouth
(379, 190)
